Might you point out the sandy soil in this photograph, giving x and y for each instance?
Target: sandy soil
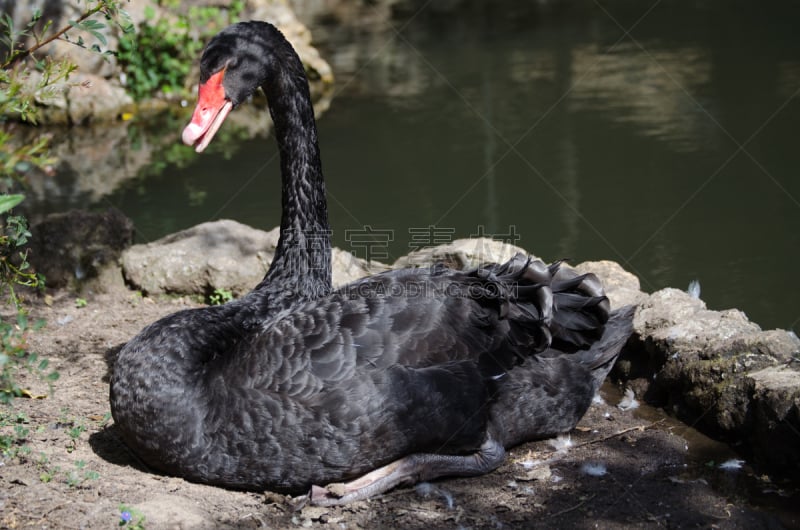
(624, 469)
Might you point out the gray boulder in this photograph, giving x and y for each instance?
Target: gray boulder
(217, 255)
(72, 247)
(461, 254)
(83, 98)
(622, 287)
(720, 373)
(221, 254)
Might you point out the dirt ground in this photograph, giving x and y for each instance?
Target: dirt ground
(632, 468)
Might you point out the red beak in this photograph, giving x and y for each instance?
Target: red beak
(212, 109)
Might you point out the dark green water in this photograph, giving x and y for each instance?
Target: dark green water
(661, 135)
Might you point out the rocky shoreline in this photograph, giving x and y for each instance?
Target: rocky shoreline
(623, 466)
(714, 370)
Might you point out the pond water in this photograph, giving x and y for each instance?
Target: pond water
(657, 134)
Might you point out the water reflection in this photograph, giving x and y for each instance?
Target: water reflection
(652, 90)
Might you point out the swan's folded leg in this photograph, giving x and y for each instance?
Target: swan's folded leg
(410, 470)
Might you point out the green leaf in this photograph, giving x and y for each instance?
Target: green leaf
(99, 36)
(8, 22)
(9, 201)
(91, 24)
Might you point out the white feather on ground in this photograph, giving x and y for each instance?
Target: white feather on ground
(628, 401)
(561, 443)
(594, 469)
(732, 465)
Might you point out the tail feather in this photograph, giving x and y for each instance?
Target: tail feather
(580, 309)
(601, 356)
(550, 393)
(544, 305)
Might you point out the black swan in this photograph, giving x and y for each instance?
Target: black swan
(405, 376)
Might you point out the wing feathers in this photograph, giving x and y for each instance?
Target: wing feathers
(494, 315)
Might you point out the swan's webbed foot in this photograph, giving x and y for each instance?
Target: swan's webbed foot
(410, 470)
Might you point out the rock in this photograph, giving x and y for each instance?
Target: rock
(720, 373)
(84, 97)
(776, 419)
(540, 473)
(92, 92)
(221, 254)
(622, 287)
(216, 255)
(348, 268)
(679, 329)
(95, 91)
(461, 254)
(280, 14)
(74, 246)
(315, 513)
(683, 323)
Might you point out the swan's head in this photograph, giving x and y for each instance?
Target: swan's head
(234, 64)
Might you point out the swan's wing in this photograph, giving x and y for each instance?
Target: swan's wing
(414, 317)
(535, 303)
(332, 340)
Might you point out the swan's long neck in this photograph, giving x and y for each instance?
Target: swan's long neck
(301, 269)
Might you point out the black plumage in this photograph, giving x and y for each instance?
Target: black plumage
(295, 385)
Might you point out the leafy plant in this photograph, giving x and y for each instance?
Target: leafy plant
(14, 266)
(22, 78)
(12, 441)
(9, 201)
(74, 434)
(14, 271)
(80, 475)
(15, 356)
(13, 37)
(220, 296)
(159, 55)
(73, 478)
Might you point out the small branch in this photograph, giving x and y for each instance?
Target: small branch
(27, 52)
(619, 433)
(573, 508)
